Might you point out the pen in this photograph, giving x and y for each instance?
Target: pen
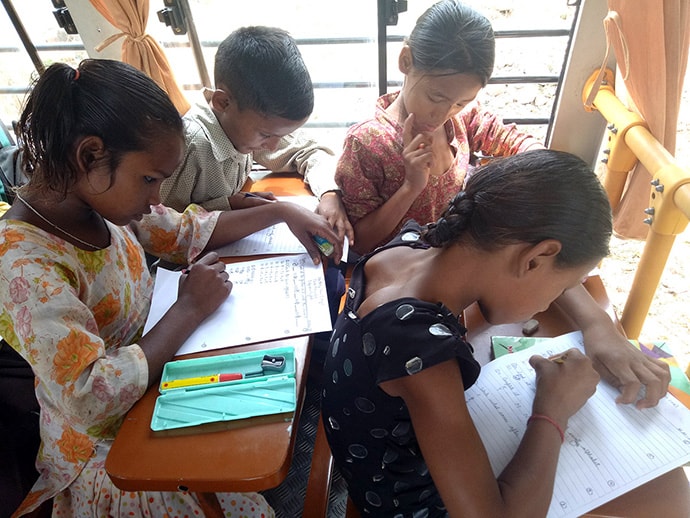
(202, 380)
(558, 358)
(251, 195)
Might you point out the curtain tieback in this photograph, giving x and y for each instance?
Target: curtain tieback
(612, 22)
(112, 39)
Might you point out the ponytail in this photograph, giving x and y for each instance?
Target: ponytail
(104, 98)
(528, 198)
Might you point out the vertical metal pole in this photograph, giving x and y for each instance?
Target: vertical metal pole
(195, 43)
(24, 36)
(382, 44)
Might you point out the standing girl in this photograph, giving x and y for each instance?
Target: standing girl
(74, 288)
(525, 229)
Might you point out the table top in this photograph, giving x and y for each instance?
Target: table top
(247, 455)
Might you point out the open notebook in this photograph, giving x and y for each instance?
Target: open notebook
(609, 449)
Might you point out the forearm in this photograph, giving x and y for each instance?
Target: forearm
(163, 340)
(526, 484)
(297, 152)
(579, 305)
(377, 225)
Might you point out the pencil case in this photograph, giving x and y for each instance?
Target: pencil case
(228, 387)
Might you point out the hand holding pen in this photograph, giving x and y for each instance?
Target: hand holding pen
(204, 285)
(564, 383)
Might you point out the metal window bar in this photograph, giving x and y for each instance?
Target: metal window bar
(382, 64)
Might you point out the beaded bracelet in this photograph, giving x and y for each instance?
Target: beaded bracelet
(548, 419)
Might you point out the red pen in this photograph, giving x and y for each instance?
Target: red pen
(202, 380)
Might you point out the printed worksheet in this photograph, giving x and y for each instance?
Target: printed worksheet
(609, 449)
(271, 298)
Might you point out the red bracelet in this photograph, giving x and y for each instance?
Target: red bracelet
(548, 419)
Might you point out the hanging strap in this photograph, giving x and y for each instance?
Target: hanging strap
(612, 24)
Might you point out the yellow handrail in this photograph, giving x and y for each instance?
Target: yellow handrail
(669, 209)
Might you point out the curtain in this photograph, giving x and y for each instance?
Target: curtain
(651, 71)
(140, 49)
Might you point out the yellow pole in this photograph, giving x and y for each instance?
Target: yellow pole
(669, 208)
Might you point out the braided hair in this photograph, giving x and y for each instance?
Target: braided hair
(527, 198)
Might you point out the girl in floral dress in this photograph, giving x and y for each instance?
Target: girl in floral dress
(75, 290)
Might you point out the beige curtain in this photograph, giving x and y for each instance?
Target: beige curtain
(651, 70)
(140, 49)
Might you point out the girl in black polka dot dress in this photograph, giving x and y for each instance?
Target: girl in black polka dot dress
(525, 229)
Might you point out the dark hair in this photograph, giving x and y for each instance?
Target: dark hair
(530, 197)
(452, 36)
(104, 98)
(263, 69)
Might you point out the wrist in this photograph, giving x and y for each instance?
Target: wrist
(337, 193)
(543, 418)
(408, 189)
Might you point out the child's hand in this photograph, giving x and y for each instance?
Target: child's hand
(627, 368)
(243, 200)
(418, 156)
(564, 384)
(204, 286)
(306, 224)
(331, 207)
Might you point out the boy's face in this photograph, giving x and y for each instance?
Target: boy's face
(249, 130)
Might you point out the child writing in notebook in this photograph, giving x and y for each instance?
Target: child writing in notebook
(74, 288)
(263, 95)
(525, 229)
(407, 161)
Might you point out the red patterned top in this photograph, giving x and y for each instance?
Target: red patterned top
(371, 167)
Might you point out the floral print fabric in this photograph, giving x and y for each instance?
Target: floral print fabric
(76, 316)
(371, 168)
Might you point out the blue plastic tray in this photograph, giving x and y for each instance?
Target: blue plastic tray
(272, 393)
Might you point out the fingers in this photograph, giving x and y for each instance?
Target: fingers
(331, 207)
(208, 262)
(268, 195)
(407, 130)
(644, 383)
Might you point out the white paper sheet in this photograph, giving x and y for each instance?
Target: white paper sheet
(276, 239)
(609, 449)
(271, 298)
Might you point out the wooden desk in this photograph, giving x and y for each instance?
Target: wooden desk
(251, 455)
(251, 458)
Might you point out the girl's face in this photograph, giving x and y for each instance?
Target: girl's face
(126, 193)
(531, 294)
(434, 97)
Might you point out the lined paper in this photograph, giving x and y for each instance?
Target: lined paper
(276, 239)
(273, 298)
(609, 449)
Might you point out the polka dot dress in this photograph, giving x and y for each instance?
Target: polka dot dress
(370, 432)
